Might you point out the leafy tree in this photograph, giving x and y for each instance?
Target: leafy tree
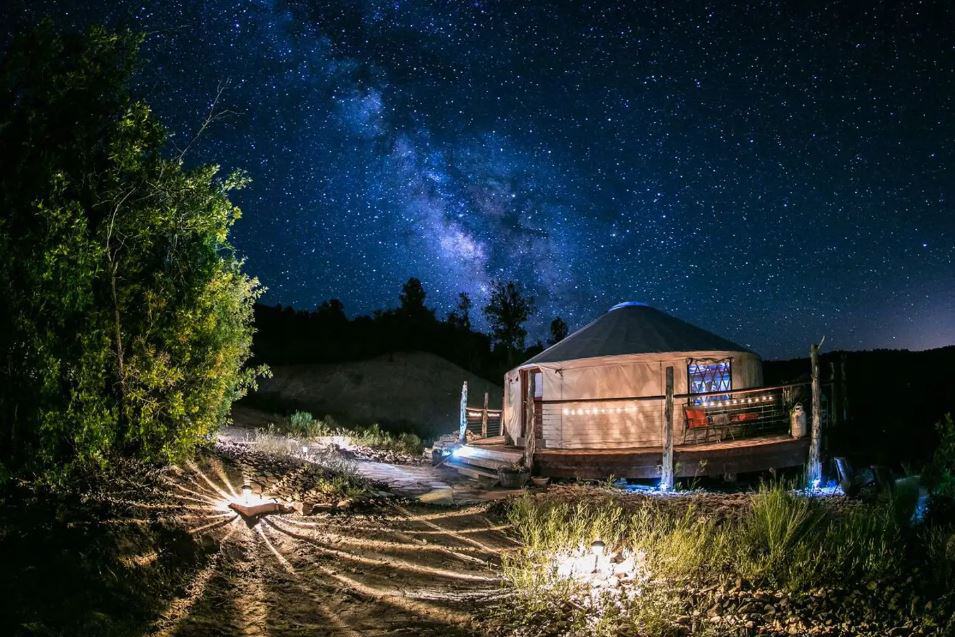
(412, 300)
(331, 311)
(461, 316)
(558, 331)
(126, 319)
(507, 311)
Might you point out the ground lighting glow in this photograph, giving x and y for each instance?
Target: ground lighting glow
(604, 576)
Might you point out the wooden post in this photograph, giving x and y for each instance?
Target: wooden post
(666, 469)
(836, 398)
(508, 441)
(463, 422)
(814, 470)
(484, 418)
(530, 435)
(844, 390)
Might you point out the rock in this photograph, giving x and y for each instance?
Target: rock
(441, 495)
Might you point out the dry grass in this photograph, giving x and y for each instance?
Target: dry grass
(781, 541)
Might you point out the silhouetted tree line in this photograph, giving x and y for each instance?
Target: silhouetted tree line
(325, 334)
(895, 398)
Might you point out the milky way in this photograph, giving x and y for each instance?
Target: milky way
(770, 172)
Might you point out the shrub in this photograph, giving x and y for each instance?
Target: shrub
(939, 474)
(126, 319)
(301, 423)
(373, 436)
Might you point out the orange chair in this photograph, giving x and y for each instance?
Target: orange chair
(696, 420)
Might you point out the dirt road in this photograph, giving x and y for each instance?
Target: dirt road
(398, 569)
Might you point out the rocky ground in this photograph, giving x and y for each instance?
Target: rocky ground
(358, 553)
(367, 564)
(174, 559)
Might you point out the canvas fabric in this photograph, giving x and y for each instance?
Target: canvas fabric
(624, 422)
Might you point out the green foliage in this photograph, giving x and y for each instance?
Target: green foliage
(507, 311)
(375, 437)
(558, 331)
(939, 475)
(126, 319)
(301, 423)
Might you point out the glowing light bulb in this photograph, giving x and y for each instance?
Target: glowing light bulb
(597, 548)
(246, 493)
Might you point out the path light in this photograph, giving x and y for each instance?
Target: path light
(597, 548)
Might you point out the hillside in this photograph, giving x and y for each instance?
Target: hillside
(395, 390)
(895, 399)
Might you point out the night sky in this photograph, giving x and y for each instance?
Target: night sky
(770, 172)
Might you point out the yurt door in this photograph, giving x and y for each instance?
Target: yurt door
(537, 378)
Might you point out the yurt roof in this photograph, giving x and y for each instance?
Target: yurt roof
(634, 328)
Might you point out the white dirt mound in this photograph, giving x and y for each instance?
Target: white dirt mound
(407, 387)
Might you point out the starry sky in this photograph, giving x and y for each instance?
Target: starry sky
(772, 171)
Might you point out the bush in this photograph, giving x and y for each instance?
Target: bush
(301, 423)
(125, 317)
(939, 474)
(376, 438)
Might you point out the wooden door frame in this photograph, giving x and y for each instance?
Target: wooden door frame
(525, 380)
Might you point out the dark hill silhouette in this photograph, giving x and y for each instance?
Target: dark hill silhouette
(895, 399)
(895, 396)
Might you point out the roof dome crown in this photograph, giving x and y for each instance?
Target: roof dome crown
(633, 327)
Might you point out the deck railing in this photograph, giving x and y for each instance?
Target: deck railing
(637, 421)
(734, 415)
(697, 418)
(484, 422)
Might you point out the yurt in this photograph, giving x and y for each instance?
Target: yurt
(622, 355)
(597, 404)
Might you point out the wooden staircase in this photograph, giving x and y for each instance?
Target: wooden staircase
(481, 459)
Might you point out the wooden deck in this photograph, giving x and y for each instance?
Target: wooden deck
(708, 459)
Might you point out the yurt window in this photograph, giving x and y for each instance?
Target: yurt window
(705, 376)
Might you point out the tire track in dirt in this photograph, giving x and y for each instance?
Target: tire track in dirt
(404, 570)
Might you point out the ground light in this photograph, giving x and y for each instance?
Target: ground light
(603, 575)
(253, 507)
(597, 548)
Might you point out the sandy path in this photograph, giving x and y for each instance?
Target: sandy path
(399, 570)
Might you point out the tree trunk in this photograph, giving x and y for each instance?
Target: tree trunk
(120, 356)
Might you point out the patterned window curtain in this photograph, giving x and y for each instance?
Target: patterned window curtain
(709, 375)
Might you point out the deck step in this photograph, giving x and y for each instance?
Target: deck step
(472, 471)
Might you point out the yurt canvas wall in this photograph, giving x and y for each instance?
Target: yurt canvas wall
(614, 423)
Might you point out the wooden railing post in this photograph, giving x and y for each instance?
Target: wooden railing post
(484, 418)
(463, 422)
(508, 441)
(530, 435)
(666, 467)
(814, 470)
(843, 391)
